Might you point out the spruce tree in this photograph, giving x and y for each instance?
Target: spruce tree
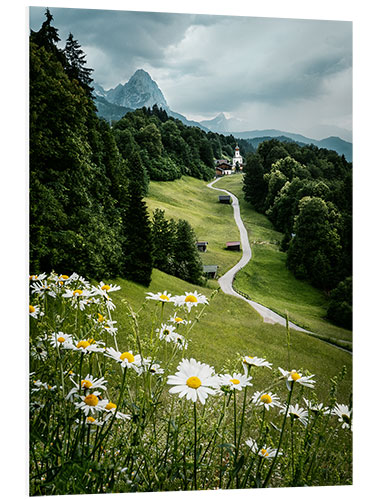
(75, 66)
(187, 260)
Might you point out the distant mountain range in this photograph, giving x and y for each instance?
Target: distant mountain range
(141, 91)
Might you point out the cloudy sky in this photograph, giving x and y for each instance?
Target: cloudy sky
(288, 74)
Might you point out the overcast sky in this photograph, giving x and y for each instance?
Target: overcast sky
(287, 74)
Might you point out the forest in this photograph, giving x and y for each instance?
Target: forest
(306, 192)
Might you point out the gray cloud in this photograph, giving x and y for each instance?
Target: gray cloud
(254, 68)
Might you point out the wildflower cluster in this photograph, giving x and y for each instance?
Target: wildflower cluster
(121, 408)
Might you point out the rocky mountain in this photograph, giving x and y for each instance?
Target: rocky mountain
(141, 90)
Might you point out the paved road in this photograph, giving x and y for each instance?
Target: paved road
(226, 281)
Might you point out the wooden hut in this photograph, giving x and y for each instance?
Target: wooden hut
(234, 245)
(224, 199)
(210, 271)
(202, 246)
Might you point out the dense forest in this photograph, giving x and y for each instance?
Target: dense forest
(307, 194)
(88, 179)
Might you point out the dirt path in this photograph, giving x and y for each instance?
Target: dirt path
(226, 281)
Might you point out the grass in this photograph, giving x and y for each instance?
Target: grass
(267, 280)
(230, 329)
(190, 199)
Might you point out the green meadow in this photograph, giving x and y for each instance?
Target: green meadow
(229, 327)
(267, 280)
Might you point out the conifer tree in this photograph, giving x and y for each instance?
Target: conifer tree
(76, 64)
(187, 260)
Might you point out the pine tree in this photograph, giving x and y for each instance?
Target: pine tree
(187, 260)
(163, 237)
(75, 66)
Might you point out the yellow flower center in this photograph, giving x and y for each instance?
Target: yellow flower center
(295, 376)
(264, 452)
(191, 298)
(34, 276)
(193, 382)
(106, 287)
(100, 317)
(77, 292)
(164, 297)
(90, 419)
(178, 320)
(235, 381)
(61, 340)
(91, 341)
(83, 343)
(91, 400)
(86, 384)
(64, 277)
(110, 406)
(266, 398)
(127, 355)
(31, 309)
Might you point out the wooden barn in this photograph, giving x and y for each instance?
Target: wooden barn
(224, 199)
(202, 246)
(210, 271)
(233, 245)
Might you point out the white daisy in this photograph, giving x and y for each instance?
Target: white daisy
(267, 400)
(248, 361)
(176, 320)
(165, 332)
(88, 383)
(267, 452)
(110, 409)
(296, 412)
(126, 358)
(194, 380)
(190, 299)
(252, 444)
(316, 407)
(38, 277)
(35, 311)
(179, 340)
(92, 421)
(91, 403)
(61, 339)
(86, 346)
(43, 288)
(149, 366)
(294, 376)
(344, 414)
(161, 297)
(234, 382)
(37, 385)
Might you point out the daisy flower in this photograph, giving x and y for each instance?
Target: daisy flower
(161, 297)
(110, 409)
(91, 421)
(61, 339)
(193, 379)
(124, 358)
(316, 407)
(268, 453)
(104, 289)
(85, 346)
(252, 444)
(42, 288)
(248, 361)
(88, 383)
(38, 277)
(179, 341)
(149, 366)
(234, 382)
(165, 332)
(91, 403)
(190, 299)
(176, 320)
(294, 376)
(35, 311)
(296, 412)
(37, 385)
(267, 400)
(344, 414)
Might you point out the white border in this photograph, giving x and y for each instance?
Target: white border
(14, 22)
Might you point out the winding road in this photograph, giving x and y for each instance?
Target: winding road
(226, 281)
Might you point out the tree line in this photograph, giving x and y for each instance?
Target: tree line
(88, 179)
(307, 194)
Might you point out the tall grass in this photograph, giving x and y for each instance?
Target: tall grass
(115, 413)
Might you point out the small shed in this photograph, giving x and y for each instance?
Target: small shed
(202, 246)
(234, 245)
(224, 199)
(210, 271)
(220, 172)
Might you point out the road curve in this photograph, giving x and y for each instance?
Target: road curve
(226, 281)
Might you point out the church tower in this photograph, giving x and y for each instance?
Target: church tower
(237, 158)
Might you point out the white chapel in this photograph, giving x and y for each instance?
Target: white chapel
(237, 158)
